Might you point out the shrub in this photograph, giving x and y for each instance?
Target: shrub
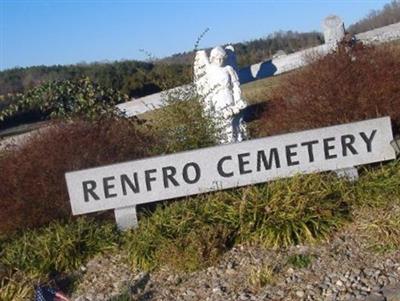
(33, 190)
(182, 124)
(193, 233)
(345, 86)
(296, 210)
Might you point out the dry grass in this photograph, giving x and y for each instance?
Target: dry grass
(17, 287)
(377, 208)
(261, 276)
(380, 227)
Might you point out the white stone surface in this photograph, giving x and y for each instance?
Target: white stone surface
(279, 53)
(380, 35)
(14, 141)
(231, 165)
(148, 103)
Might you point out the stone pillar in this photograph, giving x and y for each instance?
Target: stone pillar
(333, 28)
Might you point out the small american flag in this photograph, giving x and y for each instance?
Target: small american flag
(45, 293)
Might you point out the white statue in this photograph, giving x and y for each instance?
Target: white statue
(220, 88)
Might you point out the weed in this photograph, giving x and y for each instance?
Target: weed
(377, 207)
(300, 261)
(183, 236)
(297, 210)
(260, 277)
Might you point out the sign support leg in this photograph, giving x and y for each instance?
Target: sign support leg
(396, 145)
(126, 217)
(350, 174)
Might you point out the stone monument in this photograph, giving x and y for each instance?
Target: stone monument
(334, 31)
(219, 86)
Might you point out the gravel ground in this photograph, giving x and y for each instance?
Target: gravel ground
(343, 269)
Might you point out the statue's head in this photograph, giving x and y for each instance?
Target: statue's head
(217, 55)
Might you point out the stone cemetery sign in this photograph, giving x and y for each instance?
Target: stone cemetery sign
(123, 186)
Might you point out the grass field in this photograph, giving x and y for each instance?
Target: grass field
(260, 90)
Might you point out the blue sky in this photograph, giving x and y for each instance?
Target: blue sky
(48, 32)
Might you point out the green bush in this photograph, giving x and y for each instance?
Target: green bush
(182, 124)
(66, 99)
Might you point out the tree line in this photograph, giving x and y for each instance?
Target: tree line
(257, 50)
(136, 78)
(133, 78)
(389, 14)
